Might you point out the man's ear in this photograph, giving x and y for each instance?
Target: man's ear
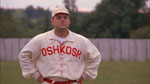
(69, 21)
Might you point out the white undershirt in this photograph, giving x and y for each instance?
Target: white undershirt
(61, 39)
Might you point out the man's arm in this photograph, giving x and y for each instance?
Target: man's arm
(27, 57)
(93, 59)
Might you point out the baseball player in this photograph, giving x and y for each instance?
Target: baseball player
(59, 56)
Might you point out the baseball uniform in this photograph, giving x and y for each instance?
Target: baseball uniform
(70, 60)
(59, 59)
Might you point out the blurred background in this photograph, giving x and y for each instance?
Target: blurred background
(120, 29)
(93, 19)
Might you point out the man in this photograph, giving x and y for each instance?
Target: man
(59, 56)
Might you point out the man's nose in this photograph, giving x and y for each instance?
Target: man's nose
(62, 19)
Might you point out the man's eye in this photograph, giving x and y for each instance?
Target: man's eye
(65, 17)
(58, 17)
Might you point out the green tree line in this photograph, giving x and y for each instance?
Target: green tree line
(110, 19)
(117, 19)
(16, 23)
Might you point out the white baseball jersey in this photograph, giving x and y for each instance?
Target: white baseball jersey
(76, 56)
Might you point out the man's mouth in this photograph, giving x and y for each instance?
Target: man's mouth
(63, 25)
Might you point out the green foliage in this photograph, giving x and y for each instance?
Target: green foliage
(70, 5)
(114, 19)
(33, 13)
(23, 23)
(143, 32)
(47, 22)
(8, 24)
(111, 19)
(11, 27)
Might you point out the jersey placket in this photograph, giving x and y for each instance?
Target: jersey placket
(61, 59)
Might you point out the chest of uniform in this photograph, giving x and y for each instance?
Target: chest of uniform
(54, 47)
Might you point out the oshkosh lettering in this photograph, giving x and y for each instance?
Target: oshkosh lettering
(62, 49)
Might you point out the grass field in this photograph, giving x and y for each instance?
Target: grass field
(109, 73)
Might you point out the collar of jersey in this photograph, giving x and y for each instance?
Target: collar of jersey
(69, 38)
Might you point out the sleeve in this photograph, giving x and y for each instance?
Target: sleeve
(93, 59)
(27, 58)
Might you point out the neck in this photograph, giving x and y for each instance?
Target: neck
(61, 33)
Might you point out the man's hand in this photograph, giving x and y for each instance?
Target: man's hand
(40, 79)
(81, 79)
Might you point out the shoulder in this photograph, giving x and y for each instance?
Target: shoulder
(41, 36)
(80, 37)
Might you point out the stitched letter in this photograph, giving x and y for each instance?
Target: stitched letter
(44, 53)
(49, 50)
(74, 52)
(56, 49)
(78, 54)
(68, 50)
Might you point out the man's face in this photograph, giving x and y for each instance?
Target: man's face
(61, 21)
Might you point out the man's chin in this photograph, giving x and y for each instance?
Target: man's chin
(63, 27)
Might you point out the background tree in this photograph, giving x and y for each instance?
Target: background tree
(114, 19)
(71, 6)
(47, 21)
(9, 26)
(110, 19)
(143, 32)
(12, 27)
(30, 12)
